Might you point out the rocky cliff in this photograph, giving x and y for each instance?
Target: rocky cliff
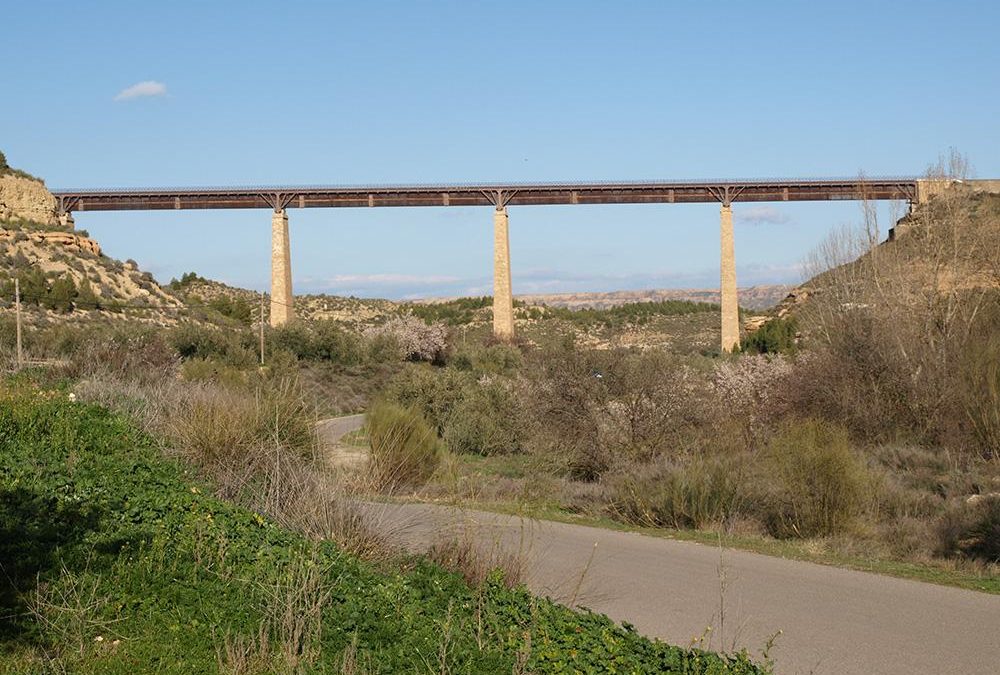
(26, 199)
(67, 240)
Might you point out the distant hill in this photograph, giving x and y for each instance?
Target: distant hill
(753, 297)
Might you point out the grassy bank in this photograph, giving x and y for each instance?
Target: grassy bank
(119, 561)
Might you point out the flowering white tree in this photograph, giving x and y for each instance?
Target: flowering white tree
(747, 386)
(417, 340)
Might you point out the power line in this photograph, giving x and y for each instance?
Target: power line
(112, 304)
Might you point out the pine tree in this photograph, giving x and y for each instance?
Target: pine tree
(61, 295)
(86, 298)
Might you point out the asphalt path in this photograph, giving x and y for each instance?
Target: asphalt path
(331, 430)
(831, 620)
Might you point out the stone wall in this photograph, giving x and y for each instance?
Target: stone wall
(27, 199)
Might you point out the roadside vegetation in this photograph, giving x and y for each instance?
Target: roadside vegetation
(118, 560)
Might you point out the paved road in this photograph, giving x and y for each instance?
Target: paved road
(332, 430)
(831, 620)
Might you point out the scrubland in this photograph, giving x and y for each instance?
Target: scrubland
(148, 469)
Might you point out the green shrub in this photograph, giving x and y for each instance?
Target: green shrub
(318, 341)
(235, 308)
(404, 447)
(208, 370)
(498, 359)
(193, 341)
(382, 348)
(698, 494)
(458, 312)
(435, 392)
(629, 313)
(972, 531)
(980, 392)
(775, 336)
(486, 421)
(816, 484)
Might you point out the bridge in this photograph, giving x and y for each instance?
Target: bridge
(499, 196)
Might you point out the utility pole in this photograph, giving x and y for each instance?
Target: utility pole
(261, 328)
(17, 312)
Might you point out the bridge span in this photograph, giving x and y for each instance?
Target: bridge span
(499, 196)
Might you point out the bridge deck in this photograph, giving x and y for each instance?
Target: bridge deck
(652, 192)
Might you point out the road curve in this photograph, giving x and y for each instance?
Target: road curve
(831, 620)
(331, 430)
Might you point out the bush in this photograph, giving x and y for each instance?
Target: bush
(457, 312)
(775, 336)
(591, 409)
(193, 341)
(487, 420)
(435, 392)
(404, 447)
(131, 354)
(701, 493)
(318, 341)
(972, 531)
(238, 309)
(207, 370)
(980, 374)
(815, 484)
(498, 359)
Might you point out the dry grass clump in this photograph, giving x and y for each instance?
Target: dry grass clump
(703, 493)
(219, 425)
(404, 448)
(475, 561)
(126, 354)
(972, 530)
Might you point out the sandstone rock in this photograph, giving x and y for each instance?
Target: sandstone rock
(752, 324)
(56, 238)
(28, 199)
(975, 499)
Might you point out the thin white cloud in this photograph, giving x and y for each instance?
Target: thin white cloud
(142, 89)
(387, 279)
(758, 215)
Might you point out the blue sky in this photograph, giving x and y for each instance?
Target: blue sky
(413, 92)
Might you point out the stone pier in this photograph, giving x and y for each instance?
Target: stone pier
(729, 299)
(66, 220)
(282, 310)
(503, 299)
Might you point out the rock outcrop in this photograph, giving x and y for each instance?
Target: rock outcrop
(27, 199)
(54, 238)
